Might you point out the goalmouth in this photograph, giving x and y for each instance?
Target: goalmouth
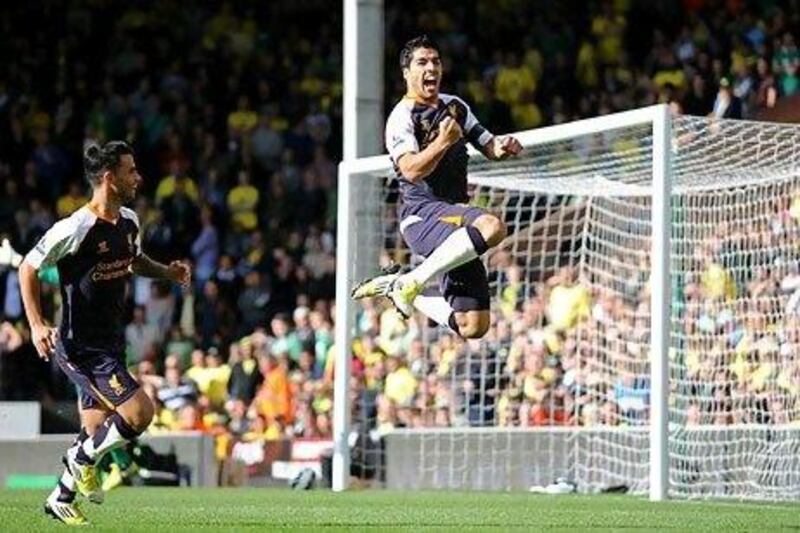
(665, 227)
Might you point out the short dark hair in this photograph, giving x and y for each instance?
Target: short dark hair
(423, 41)
(99, 159)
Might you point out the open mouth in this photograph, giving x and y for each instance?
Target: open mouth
(429, 83)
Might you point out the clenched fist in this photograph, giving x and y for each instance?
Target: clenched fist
(449, 131)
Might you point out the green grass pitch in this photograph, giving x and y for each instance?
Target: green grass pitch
(172, 509)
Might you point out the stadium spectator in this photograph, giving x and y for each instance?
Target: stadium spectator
(205, 248)
(273, 400)
(142, 338)
(176, 390)
(71, 201)
(242, 203)
(245, 376)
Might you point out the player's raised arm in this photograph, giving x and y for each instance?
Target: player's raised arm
(416, 166)
(501, 147)
(493, 147)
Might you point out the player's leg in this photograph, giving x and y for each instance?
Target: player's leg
(129, 420)
(457, 236)
(60, 504)
(93, 416)
(448, 236)
(480, 232)
(81, 368)
(106, 379)
(466, 289)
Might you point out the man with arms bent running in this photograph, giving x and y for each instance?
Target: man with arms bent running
(96, 249)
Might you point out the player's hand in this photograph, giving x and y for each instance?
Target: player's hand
(181, 273)
(449, 131)
(44, 339)
(506, 146)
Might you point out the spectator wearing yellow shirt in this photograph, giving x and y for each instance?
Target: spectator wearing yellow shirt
(400, 385)
(569, 302)
(220, 373)
(717, 283)
(525, 113)
(168, 185)
(243, 120)
(242, 204)
(197, 372)
(72, 201)
(586, 70)
(220, 25)
(210, 375)
(669, 72)
(514, 81)
(609, 28)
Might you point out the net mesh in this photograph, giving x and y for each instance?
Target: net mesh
(559, 387)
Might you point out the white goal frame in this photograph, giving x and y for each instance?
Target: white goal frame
(350, 172)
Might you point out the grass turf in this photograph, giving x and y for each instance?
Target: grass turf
(173, 509)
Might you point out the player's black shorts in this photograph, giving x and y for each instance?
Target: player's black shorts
(100, 374)
(424, 227)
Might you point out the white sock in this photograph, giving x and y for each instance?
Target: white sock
(435, 308)
(455, 251)
(112, 434)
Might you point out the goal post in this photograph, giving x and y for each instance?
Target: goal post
(625, 347)
(659, 303)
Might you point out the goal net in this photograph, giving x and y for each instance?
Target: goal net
(563, 384)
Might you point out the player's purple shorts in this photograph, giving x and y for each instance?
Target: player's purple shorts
(425, 226)
(100, 375)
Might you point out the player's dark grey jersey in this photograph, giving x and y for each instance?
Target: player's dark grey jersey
(412, 126)
(93, 257)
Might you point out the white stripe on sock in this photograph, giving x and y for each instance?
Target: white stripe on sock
(67, 480)
(112, 440)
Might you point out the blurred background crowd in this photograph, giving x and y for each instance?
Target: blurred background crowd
(235, 118)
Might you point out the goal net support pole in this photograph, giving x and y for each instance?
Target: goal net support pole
(362, 117)
(660, 304)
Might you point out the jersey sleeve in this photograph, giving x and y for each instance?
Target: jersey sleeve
(400, 137)
(60, 241)
(137, 241)
(474, 132)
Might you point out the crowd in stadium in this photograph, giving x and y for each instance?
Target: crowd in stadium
(236, 125)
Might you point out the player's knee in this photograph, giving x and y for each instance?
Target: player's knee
(146, 415)
(92, 419)
(493, 230)
(140, 414)
(473, 331)
(472, 326)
